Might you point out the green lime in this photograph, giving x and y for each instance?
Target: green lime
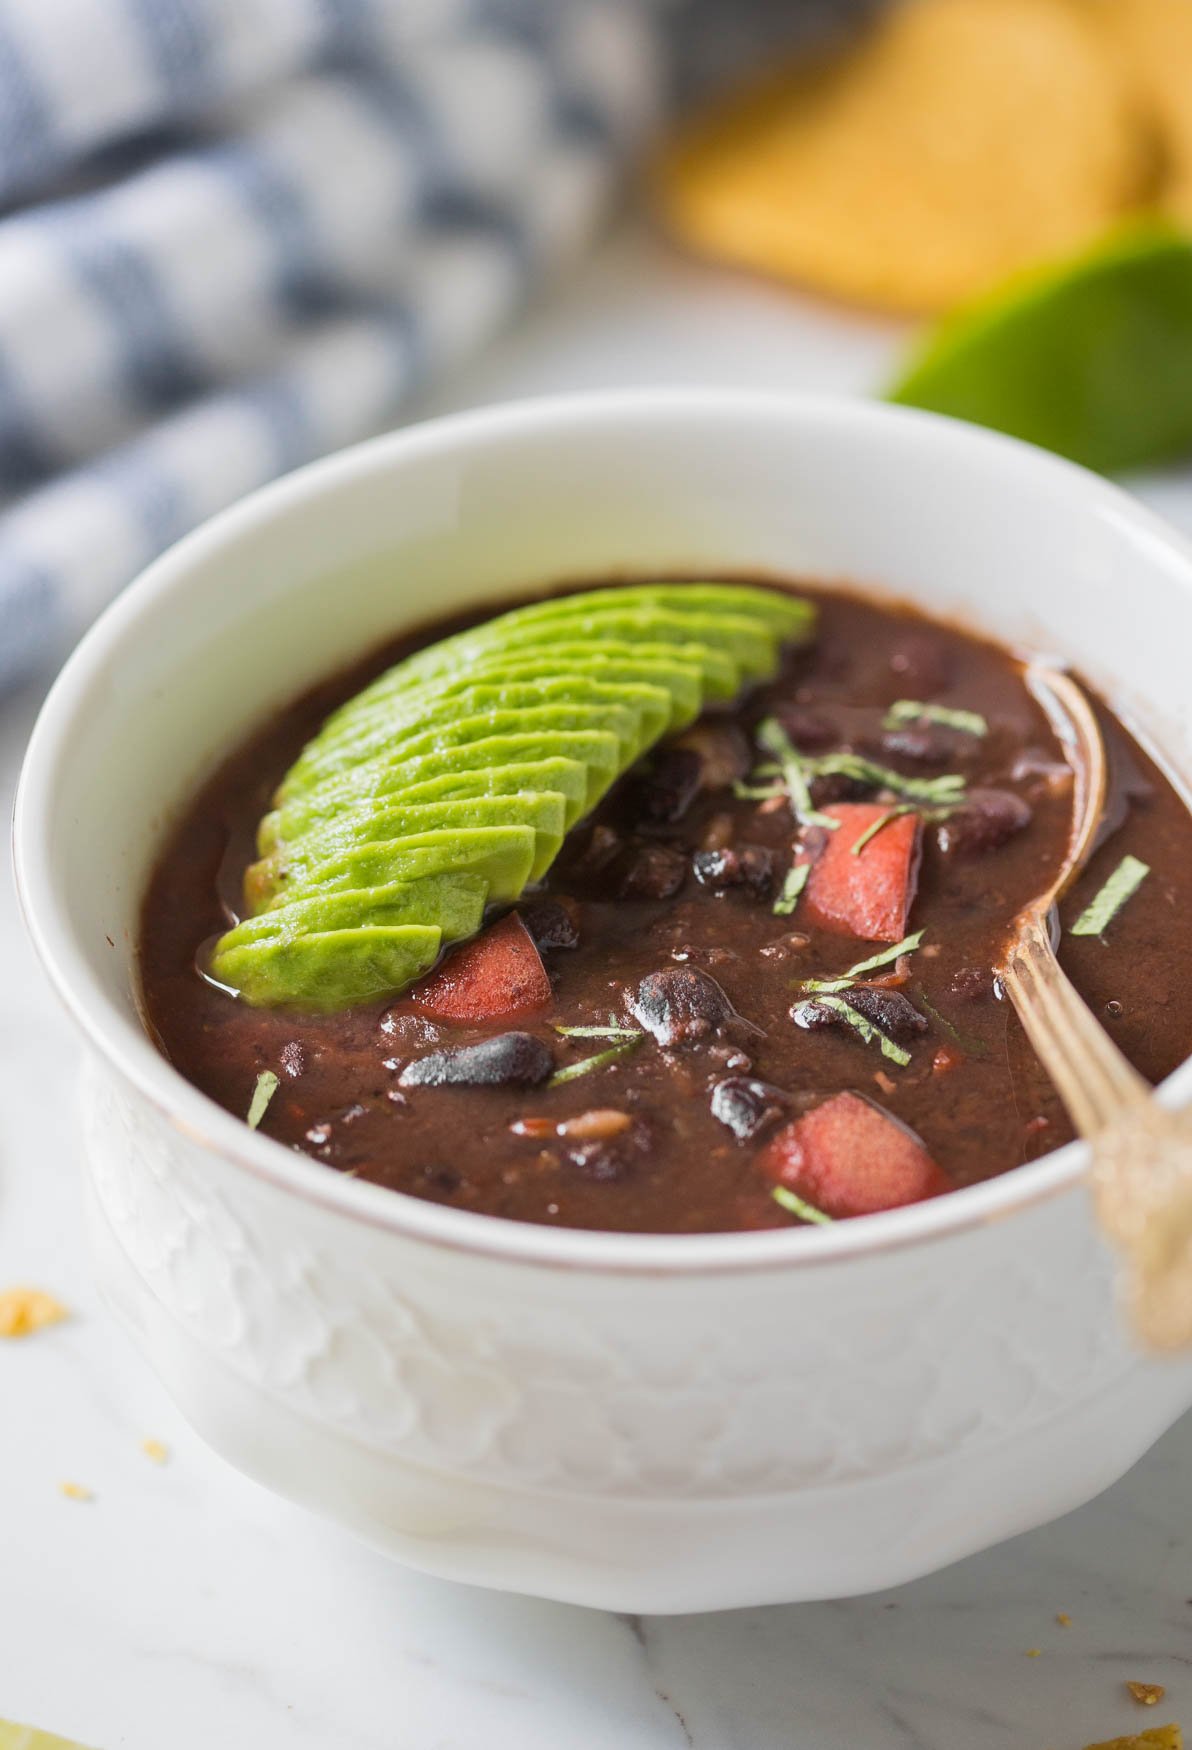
(1092, 358)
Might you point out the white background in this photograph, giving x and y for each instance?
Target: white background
(185, 1609)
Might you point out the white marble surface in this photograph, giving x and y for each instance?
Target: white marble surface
(184, 1609)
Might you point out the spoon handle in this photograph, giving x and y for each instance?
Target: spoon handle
(1142, 1153)
(1096, 1083)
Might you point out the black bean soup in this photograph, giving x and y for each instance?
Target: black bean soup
(668, 1063)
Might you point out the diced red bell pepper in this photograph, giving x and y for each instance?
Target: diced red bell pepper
(499, 972)
(870, 894)
(848, 1157)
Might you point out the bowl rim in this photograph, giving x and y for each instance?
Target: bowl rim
(124, 1045)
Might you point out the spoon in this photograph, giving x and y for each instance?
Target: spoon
(1142, 1154)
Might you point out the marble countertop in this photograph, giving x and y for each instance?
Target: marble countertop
(182, 1608)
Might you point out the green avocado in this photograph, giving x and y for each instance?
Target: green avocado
(789, 619)
(495, 685)
(597, 753)
(453, 903)
(567, 778)
(330, 969)
(669, 696)
(448, 784)
(749, 643)
(365, 823)
(444, 727)
(504, 855)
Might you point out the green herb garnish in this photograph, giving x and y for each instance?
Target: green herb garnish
(793, 770)
(904, 711)
(906, 946)
(948, 790)
(876, 826)
(795, 1205)
(870, 1034)
(611, 1032)
(793, 884)
(586, 1064)
(756, 792)
(1126, 879)
(267, 1086)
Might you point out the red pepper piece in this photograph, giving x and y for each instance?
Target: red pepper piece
(498, 973)
(848, 1157)
(868, 895)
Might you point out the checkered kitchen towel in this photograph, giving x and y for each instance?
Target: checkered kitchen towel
(235, 234)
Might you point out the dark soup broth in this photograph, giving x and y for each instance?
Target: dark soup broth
(668, 1059)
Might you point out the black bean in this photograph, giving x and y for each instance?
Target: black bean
(835, 787)
(887, 1009)
(923, 744)
(923, 664)
(602, 846)
(987, 820)
(652, 872)
(550, 924)
(609, 1158)
(810, 731)
(506, 1060)
(747, 866)
(748, 1107)
(681, 1005)
(666, 789)
(722, 750)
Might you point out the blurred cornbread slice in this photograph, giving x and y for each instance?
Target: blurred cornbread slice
(954, 143)
(1153, 40)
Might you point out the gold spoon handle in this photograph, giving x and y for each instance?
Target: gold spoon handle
(1142, 1153)
(1095, 1082)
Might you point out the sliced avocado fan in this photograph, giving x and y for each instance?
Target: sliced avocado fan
(447, 785)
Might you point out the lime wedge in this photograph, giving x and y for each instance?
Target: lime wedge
(1092, 358)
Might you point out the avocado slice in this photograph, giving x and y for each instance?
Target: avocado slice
(597, 753)
(669, 698)
(504, 855)
(453, 903)
(449, 782)
(447, 728)
(329, 969)
(748, 642)
(495, 686)
(567, 778)
(788, 618)
(366, 823)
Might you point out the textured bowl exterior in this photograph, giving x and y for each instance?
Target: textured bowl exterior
(646, 1424)
(629, 1441)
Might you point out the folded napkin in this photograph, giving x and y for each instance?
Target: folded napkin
(236, 234)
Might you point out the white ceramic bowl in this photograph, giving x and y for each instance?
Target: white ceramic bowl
(644, 1423)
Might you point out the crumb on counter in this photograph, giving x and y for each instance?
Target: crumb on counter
(77, 1492)
(157, 1450)
(1064, 1620)
(25, 1310)
(1146, 1694)
(1034, 1652)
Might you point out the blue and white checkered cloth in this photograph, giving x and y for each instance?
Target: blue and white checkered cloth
(236, 234)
